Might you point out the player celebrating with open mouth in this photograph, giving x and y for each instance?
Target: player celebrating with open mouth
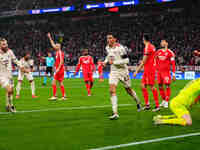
(118, 59)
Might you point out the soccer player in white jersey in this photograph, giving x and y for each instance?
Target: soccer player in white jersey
(27, 63)
(118, 59)
(6, 59)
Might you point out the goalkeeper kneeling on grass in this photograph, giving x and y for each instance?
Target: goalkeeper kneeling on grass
(179, 105)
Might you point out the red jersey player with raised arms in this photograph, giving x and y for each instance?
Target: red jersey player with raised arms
(165, 58)
(60, 69)
(148, 78)
(88, 67)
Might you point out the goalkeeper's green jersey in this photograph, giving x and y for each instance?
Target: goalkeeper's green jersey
(189, 93)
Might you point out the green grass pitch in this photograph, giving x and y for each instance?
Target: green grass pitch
(82, 122)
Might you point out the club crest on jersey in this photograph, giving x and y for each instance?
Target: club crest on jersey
(162, 57)
(86, 61)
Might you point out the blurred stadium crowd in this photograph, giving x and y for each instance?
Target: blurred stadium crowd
(183, 34)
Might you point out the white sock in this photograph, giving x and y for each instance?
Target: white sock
(18, 87)
(114, 104)
(33, 87)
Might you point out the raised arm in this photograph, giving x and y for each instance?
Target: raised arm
(141, 64)
(51, 40)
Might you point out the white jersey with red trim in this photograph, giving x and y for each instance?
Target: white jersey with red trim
(26, 64)
(6, 60)
(115, 54)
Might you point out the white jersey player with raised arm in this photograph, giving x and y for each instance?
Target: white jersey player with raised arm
(119, 69)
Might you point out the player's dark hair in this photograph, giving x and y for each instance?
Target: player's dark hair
(25, 53)
(113, 34)
(146, 37)
(164, 38)
(84, 49)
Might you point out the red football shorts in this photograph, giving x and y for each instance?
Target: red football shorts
(164, 77)
(59, 76)
(148, 78)
(88, 76)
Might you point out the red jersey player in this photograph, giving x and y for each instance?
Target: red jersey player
(88, 67)
(100, 70)
(148, 78)
(60, 69)
(164, 59)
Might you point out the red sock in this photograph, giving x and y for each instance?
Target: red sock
(155, 95)
(168, 93)
(162, 93)
(54, 90)
(62, 88)
(88, 88)
(91, 84)
(146, 96)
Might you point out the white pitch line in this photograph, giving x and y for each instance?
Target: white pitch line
(71, 87)
(65, 108)
(147, 141)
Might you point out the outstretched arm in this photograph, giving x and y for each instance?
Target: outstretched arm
(141, 65)
(51, 40)
(78, 67)
(17, 62)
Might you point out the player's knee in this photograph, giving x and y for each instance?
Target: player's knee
(112, 91)
(152, 87)
(167, 85)
(9, 90)
(143, 86)
(53, 82)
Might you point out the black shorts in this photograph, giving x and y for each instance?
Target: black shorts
(49, 70)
